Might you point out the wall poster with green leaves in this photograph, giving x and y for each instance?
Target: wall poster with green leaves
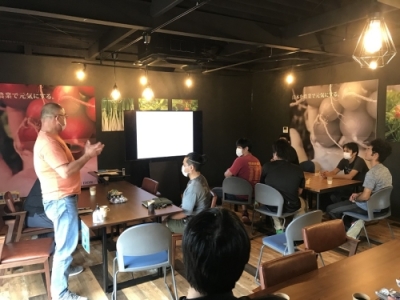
(392, 117)
(112, 113)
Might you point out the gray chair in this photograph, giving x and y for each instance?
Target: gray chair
(267, 195)
(144, 247)
(284, 243)
(239, 187)
(378, 201)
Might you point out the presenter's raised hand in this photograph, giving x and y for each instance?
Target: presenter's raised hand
(93, 150)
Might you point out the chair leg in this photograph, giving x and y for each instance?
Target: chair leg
(174, 283)
(258, 265)
(47, 276)
(173, 252)
(322, 260)
(252, 221)
(366, 235)
(390, 228)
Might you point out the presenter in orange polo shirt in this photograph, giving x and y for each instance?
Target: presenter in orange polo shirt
(60, 181)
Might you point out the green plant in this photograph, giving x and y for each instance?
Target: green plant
(392, 117)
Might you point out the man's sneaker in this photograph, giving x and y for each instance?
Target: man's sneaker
(355, 229)
(279, 231)
(74, 270)
(72, 296)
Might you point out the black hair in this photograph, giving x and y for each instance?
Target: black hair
(285, 136)
(281, 148)
(215, 248)
(383, 148)
(196, 160)
(243, 142)
(50, 109)
(352, 146)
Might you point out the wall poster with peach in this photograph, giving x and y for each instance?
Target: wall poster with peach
(20, 107)
(325, 117)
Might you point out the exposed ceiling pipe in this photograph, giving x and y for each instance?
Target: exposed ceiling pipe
(186, 12)
(248, 61)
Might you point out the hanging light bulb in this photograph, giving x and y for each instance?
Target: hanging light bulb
(115, 93)
(289, 78)
(143, 80)
(81, 73)
(188, 81)
(148, 93)
(375, 47)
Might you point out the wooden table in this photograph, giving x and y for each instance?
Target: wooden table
(132, 210)
(319, 185)
(365, 272)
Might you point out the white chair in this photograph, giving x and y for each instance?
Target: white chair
(267, 195)
(144, 247)
(239, 187)
(378, 201)
(284, 243)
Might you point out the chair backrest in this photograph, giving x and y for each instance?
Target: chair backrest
(150, 185)
(144, 239)
(294, 229)
(267, 195)
(237, 186)
(307, 166)
(287, 267)
(9, 202)
(324, 236)
(379, 200)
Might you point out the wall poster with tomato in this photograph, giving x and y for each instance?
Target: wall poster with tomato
(325, 117)
(20, 107)
(392, 117)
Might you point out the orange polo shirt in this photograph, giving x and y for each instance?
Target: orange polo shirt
(50, 152)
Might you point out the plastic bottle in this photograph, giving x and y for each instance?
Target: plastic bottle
(97, 215)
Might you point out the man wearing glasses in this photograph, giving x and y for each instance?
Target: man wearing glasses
(377, 178)
(60, 182)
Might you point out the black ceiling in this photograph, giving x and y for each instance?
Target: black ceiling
(192, 36)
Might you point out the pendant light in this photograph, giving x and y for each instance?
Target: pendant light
(115, 93)
(81, 73)
(188, 81)
(375, 47)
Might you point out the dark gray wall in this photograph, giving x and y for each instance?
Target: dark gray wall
(225, 102)
(271, 98)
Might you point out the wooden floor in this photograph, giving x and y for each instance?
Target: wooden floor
(87, 283)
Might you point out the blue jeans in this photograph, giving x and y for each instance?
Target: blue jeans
(64, 215)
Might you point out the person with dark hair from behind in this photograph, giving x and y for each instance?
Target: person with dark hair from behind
(292, 154)
(36, 217)
(286, 178)
(215, 249)
(353, 167)
(245, 166)
(377, 178)
(196, 196)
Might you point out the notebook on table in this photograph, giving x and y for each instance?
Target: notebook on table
(158, 202)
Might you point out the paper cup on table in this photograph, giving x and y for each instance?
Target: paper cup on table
(329, 180)
(282, 295)
(360, 296)
(92, 190)
(104, 209)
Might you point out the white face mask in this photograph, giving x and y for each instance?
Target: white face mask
(239, 151)
(63, 126)
(183, 171)
(346, 155)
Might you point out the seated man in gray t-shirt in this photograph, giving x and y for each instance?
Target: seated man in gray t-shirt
(377, 178)
(196, 197)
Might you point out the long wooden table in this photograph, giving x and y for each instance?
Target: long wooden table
(130, 211)
(319, 185)
(365, 272)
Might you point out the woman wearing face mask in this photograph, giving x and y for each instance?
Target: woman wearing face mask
(353, 167)
(196, 196)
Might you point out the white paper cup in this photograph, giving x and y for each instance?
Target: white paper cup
(104, 210)
(283, 295)
(329, 180)
(92, 190)
(360, 296)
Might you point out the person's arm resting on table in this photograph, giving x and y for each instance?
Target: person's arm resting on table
(351, 175)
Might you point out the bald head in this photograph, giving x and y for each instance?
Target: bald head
(50, 109)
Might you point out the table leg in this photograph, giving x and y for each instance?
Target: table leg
(105, 258)
(317, 200)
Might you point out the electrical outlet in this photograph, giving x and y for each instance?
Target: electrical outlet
(285, 129)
